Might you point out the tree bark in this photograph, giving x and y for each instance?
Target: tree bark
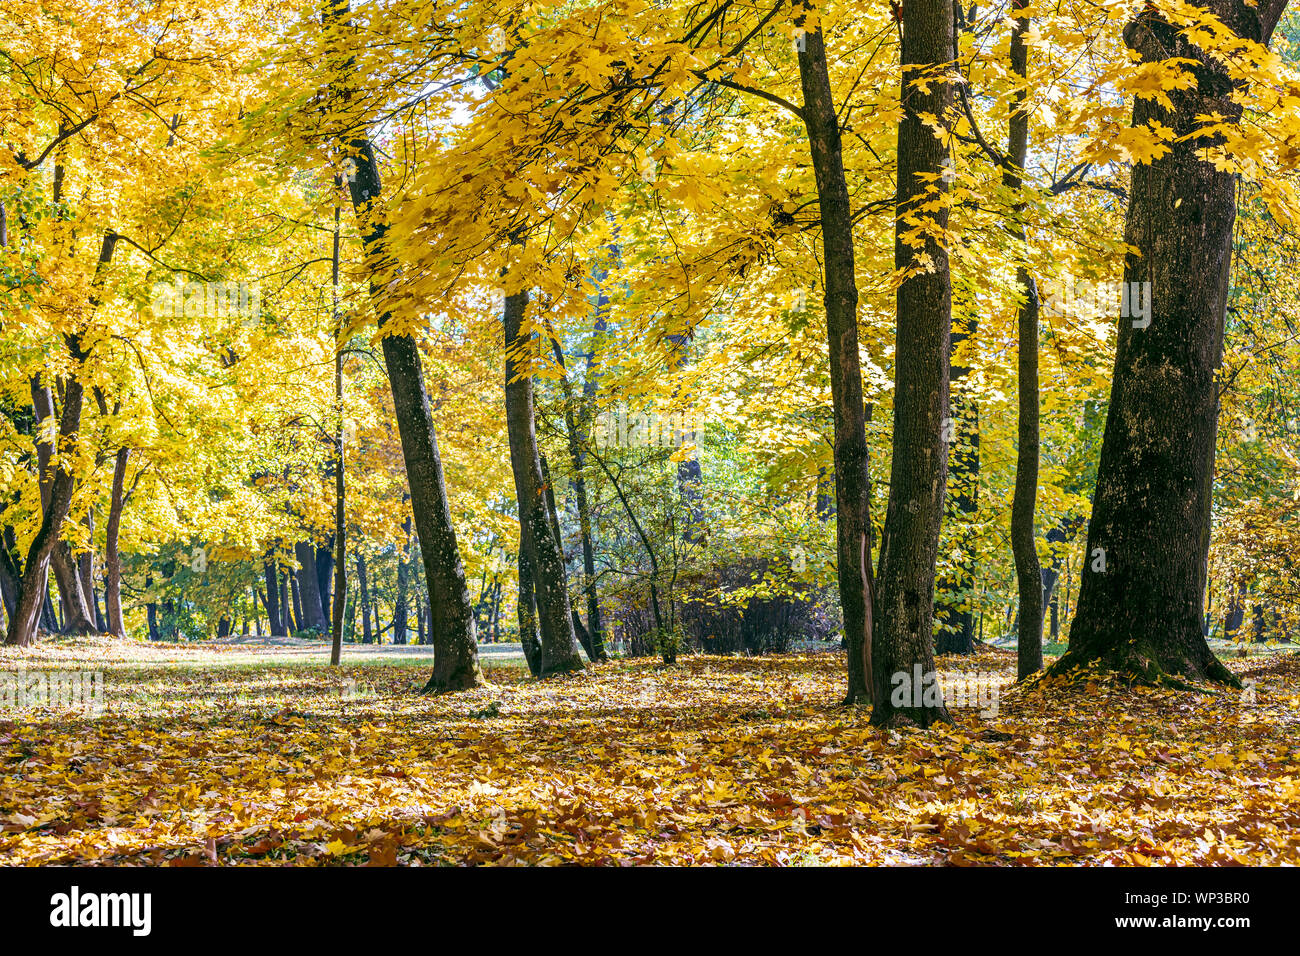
(308, 604)
(577, 430)
(400, 607)
(1140, 602)
(560, 652)
(23, 623)
(72, 598)
(275, 618)
(295, 597)
(1029, 575)
(367, 637)
(112, 556)
(526, 606)
(853, 508)
(324, 567)
(340, 486)
(86, 572)
(455, 662)
(919, 466)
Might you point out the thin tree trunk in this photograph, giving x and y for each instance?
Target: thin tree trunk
(456, 665)
(367, 636)
(1029, 575)
(853, 517)
(340, 487)
(292, 599)
(545, 560)
(526, 606)
(112, 557)
(577, 430)
(151, 611)
(275, 620)
(403, 576)
(86, 572)
(324, 567)
(578, 629)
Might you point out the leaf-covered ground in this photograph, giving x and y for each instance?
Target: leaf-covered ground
(202, 758)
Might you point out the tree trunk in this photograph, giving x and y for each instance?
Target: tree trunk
(403, 576)
(86, 572)
(552, 511)
(496, 612)
(72, 597)
(577, 428)
(367, 636)
(151, 611)
(112, 556)
(455, 662)
(22, 624)
(275, 619)
(526, 605)
(308, 604)
(340, 488)
(919, 466)
(853, 508)
(545, 560)
(1236, 613)
(292, 599)
(1140, 601)
(323, 564)
(1029, 575)
(10, 576)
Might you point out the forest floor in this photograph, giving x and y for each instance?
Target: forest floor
(210, 755)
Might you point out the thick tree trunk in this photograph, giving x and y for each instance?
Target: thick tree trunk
(10, 576)
(919, 466)
(560, 652)
(112, 556)
(853, 518)
(34, 587)
(455, 663)
(22, 623)
(72, 597)
(308, 604)
(1140, 601)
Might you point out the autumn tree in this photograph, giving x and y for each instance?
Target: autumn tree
(1141, 600)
